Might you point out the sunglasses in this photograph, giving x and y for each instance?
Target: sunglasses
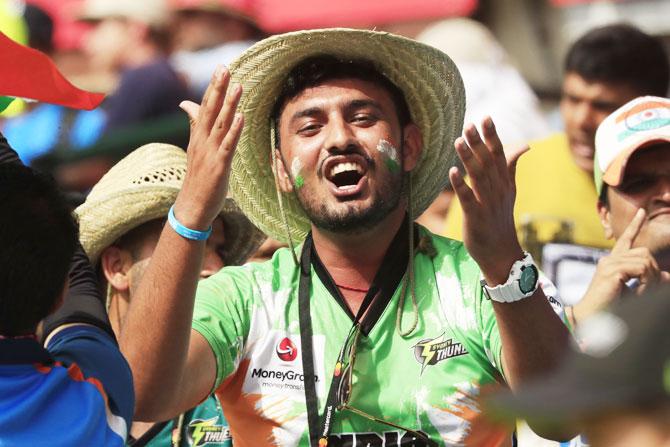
(344, 368)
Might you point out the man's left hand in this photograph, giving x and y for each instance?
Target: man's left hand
(489, 233)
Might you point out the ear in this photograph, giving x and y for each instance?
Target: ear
(115, 263)
(412, 146)
(284, 180)
(605, 219)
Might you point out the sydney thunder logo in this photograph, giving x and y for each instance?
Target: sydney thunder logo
(207, 431)
(433, 350)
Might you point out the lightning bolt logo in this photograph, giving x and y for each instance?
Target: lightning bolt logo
(199, 428)
(432, 350)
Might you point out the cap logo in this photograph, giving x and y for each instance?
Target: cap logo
(642, 117)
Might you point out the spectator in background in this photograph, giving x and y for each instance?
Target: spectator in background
(209, 33)
(77, 391)
(120, 222)
(131, 37)
(604, 69)
(617, 390)
(632, 178)
(493, 86)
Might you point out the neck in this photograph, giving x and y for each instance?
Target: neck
(354, 259)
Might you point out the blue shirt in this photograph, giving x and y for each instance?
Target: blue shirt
(78, 391)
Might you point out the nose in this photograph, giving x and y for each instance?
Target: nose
(664, 188)
(211, 264)
(584, 117)
(339, 135)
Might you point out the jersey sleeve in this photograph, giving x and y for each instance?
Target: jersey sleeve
(97, 356)
(222, 315)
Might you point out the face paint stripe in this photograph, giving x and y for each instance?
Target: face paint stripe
(391, 155)
(296, 168)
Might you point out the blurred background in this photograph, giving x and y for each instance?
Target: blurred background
(148, 56)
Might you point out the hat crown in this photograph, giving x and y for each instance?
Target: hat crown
(631, 126)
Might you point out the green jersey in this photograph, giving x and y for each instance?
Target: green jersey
(430, 381)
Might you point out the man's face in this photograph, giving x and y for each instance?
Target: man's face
(646, 184)
(584, 105)
(106, 44)
(342, 146)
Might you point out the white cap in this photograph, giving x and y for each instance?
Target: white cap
(638, 123)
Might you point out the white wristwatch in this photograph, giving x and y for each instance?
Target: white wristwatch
(521, 283)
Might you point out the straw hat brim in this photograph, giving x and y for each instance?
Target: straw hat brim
(428, 78)
(119, 203)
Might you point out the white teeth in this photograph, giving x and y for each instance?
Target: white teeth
(344, 167)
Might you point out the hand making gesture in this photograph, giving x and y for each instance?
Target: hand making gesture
(488, 203)
(215, 131)
(624, 265)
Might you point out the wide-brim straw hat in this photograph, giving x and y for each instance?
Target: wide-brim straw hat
(142, 187)
(428, 78)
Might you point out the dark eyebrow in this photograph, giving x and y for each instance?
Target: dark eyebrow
(312, 111)
(362, 103)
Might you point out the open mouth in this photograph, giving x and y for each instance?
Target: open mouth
(346, 174)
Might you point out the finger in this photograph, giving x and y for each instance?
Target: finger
(472, 166)
(227, 112)
(495, 146)
(625, 241)
(478, 146)
(465, 195)
(192, 109)
(664, 277)
(210, 111)
(212, 84)
(229, 143)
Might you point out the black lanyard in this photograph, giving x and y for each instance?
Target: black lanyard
(386, 280)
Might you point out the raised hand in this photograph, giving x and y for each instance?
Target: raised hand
(489, 233)
(615, 270)
(215, 131)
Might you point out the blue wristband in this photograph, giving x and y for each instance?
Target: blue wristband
(184, 232)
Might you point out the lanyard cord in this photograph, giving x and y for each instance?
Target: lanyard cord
(320, 428)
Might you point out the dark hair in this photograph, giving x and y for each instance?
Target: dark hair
(316, 70)
(622, 54)
(38, 237)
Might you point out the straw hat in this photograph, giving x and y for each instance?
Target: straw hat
(142, 187)
(428, 78)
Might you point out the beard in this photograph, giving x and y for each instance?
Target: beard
(354, 219)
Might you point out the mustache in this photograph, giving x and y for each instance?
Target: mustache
(349, 150)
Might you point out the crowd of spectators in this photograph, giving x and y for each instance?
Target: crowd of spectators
(181, 269)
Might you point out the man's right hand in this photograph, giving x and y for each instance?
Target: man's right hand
(215, 131)
(623, 264)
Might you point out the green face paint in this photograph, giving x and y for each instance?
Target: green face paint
(390, 155)
(296, 168)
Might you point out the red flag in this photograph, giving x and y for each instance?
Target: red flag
(28, 73)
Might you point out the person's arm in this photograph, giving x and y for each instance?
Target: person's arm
(98, 357)
(173, 370)
(533, 337)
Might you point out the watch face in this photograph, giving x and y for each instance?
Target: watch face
(528, 278)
